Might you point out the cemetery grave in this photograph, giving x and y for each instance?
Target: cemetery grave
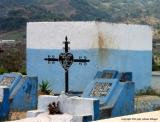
(107, 83)
(115, 92)
(17, 93)
(105, 97)
(103, 88)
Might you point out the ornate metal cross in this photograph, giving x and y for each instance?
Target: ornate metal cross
(66, 59)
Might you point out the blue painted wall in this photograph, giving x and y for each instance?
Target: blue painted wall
(25, 95)
(137, 62)
(125, 102)
(23, 92)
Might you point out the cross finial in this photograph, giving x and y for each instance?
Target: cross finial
(66, 38)
(66, 48)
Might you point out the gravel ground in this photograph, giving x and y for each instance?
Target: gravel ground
(17, 115)
(147, 103)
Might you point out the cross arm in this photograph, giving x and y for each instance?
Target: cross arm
(81, 60)
(51, 59)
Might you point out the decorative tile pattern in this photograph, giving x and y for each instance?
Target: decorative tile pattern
(6, 81)
(100, 89)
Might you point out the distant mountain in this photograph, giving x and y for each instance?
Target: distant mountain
(15, 13)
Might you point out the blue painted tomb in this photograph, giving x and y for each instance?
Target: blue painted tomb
(4, 102)
(18, 92)
(115, 92)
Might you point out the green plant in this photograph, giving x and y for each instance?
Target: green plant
(147, 91)
(45, 87)
(3, 70)
(23, 70)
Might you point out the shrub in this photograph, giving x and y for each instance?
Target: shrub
(45, 87)
(3, 70)
(147, 91)
(23, 71)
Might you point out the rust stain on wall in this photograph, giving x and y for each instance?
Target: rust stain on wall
(101, 42)
(102, 51)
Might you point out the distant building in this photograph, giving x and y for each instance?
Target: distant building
(156, 45)
(7, 41)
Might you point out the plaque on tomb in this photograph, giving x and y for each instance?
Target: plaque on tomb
(7, 81)
(107, 75)
(101, 89)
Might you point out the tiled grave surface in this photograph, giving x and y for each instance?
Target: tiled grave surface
(107, 75)
(7, 81)
(100, 89)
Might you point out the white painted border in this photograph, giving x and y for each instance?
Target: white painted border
(84, 35)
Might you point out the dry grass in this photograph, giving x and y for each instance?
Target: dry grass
(17, 115)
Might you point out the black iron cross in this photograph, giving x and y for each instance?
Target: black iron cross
(66, 59)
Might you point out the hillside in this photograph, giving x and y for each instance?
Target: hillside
(15, 13)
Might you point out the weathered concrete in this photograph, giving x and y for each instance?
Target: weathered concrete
(82, 108)
(4, 102)
(44, 117)
(145, 117)
(45, 100)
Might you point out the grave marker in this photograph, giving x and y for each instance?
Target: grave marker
(116, 94)
(66, 59)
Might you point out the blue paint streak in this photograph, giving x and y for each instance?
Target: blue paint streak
(96, 110)
(137, 62)
(26, 95)
(4, 105)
